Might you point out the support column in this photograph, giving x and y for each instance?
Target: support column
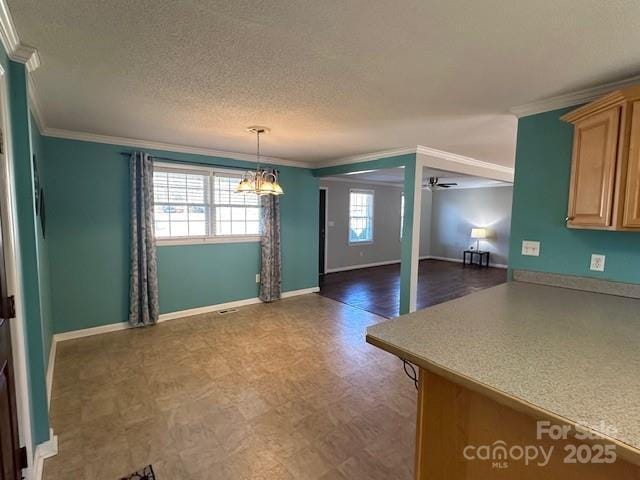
(410, 252)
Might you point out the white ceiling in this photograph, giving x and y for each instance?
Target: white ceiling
(331, 78)
(395, 177)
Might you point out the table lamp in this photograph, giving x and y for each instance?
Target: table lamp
(478, 233)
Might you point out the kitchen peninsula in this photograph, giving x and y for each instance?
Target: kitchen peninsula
(507, 373)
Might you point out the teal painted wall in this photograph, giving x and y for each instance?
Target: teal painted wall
(540, 197)
(181, 264)
(88, 235)
(407, 235)
(30, 254)
(42, 247)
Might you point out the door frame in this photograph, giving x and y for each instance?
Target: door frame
(14, 278)
(326, 225)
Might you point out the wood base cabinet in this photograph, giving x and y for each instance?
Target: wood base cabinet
(604, 193)
(466, 435)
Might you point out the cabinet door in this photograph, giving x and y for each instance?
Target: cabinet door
(595, 147)
(632, 194)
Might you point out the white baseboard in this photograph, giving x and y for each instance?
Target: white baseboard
(223, 306)
(43, 451)
(164, 317)
(88, 332)
(459, 260)
(445, 259)
(114, 327)
(304, 291)
(50, 369)
(391, 262)
(363, 265)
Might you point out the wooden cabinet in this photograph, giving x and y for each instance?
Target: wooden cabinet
(605, 170)
(457, 420)
(632, 195)
(595, 146)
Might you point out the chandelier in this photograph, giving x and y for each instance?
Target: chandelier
(260, 182)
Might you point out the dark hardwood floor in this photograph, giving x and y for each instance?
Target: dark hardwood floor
(377, 289)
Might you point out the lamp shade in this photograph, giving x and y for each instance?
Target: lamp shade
(478, 233)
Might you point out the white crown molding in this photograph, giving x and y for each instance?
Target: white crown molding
(365, 157)
(363, 182)
(170, 147)
(427, 151)
(571, 99)
(461, 159)
(344, 179)
(469, 187)
(34, 104)
(16, 50)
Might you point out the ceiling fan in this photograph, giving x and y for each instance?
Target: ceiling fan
(433, 182)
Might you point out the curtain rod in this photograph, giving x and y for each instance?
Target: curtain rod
(189, 162)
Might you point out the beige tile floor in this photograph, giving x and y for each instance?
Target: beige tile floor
(284, 391)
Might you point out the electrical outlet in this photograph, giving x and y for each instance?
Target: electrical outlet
(361, 254)
(530, 248)
(257, 278)
(597, 262)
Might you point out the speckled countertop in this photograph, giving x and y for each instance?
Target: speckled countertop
(574, 354)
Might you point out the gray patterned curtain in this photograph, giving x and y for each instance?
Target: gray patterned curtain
(270, 246)
(143, 272)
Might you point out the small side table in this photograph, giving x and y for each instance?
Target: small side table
(483, 258)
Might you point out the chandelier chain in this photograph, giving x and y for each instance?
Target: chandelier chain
(258, 152)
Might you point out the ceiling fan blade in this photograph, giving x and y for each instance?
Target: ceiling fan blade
(447, 185)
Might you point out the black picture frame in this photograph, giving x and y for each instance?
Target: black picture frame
(43, 218)
(36, 184)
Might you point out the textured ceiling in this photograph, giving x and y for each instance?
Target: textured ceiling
(395, 176)
(331, 78)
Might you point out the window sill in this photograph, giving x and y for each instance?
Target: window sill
(364, 242)
(166, 242)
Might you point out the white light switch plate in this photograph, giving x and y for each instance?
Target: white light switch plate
(257, 278)
(597, 262)
(530, 248)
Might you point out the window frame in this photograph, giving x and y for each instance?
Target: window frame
(202, 239)
(373, 202)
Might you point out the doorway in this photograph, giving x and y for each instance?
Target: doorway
(366, 274)
(11, 460)
(322, 231)
(9, 439)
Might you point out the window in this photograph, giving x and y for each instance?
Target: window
(200, 203)
(234, 213)
(401, 214)
(360, 216)
(181, 204)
